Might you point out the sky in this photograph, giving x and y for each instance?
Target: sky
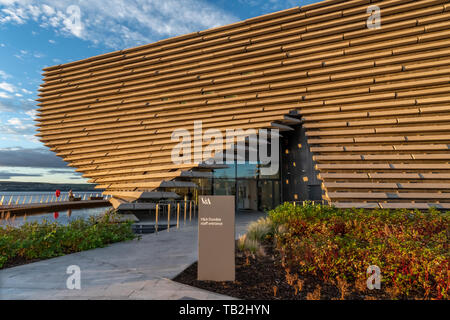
(35, 34)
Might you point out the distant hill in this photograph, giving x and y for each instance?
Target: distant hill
(36, 186)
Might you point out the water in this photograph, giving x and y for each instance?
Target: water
(26, 197)
(62, 217)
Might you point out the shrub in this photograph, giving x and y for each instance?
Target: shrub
(257, 232)
(247, 244)
(288, 212)
(49, 239)
(410, 247)
(260, 229)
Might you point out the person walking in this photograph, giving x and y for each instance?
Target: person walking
(71, 197)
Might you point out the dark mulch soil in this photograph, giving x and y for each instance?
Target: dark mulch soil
(257, 276)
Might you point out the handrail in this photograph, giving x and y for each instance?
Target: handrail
(43, 198)
(175, 206)
(304, 202)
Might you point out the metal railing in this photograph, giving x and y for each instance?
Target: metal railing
(311, 202)
(17, 200)
(182, 210)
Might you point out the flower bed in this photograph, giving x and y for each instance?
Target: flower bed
(319, 252)
(411, 248)
(37, 241)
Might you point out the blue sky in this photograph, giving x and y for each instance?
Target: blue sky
(39, 33)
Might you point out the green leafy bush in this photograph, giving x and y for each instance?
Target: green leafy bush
(410, 247)
(49, 239)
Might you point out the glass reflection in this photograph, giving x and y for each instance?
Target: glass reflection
(224, 187)
(225, 173)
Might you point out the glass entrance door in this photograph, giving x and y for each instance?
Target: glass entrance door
(268, 194)
(247, 196)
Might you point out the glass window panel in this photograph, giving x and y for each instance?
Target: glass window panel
(204, 186)
(224, 187)
(226, 173)
(247, 170)
(265, 195)
(276, 193)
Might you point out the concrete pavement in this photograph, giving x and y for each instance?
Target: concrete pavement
(128, 270)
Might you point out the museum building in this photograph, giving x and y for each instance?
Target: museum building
(361, 111)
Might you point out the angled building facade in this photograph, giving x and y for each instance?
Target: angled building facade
(363, 111)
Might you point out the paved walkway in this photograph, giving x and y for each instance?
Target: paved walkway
(128, 270)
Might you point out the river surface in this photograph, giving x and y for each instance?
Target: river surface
(62, 217)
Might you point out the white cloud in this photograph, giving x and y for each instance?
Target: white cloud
(49, 11)
(8, 2)
(21, 54)
(4, 95)
(13, 104)
(18, 95)
(268, 6)
(119, 23)
(26, 91)
(52, 41)
(31, 113)
(26, 54)
(18, 126)
(31, 138)
(15, 122)
(4, 75)
(7, 87)
(12, 16)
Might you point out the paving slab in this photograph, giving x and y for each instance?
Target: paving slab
(138, 269)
